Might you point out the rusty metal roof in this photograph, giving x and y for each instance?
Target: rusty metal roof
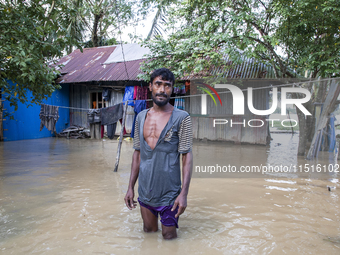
(246, 69)
(118, 72)
(87, 66)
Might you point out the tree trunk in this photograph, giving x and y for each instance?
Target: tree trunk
(322, 91)
(321, 94)
(305, 125)
(69, 49)
(95, 38)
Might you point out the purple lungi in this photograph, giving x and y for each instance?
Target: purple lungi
(167, 216)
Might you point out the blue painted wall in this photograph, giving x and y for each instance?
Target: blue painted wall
(26, 123)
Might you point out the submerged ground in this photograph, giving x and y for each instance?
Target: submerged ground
(60, 196)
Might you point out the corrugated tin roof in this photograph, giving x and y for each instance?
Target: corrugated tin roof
(118, 72)
(88, 66)
(132, 51)
(248, 69)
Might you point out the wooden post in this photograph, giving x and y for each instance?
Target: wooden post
(331, 99)
(121, 137)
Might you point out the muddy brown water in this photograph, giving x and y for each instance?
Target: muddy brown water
(60, 196)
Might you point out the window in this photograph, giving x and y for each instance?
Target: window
(96, 100)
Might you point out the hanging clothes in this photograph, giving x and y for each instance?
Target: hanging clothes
(110, 116)
(128, 95)
(111, 130)
(179, 89)
(179, 103)
(176, 103)
(49, 115)
(93, 116)
(140, 105)
(102, 131)
(106, 94)
(187, 86)
(135, 92)
(182, 89)
(142, 94)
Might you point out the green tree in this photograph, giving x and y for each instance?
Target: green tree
(76, 27)
(33, 34)
(294, 37)
(310, 34)
(290, 36)
(104, 18)
(160, 18)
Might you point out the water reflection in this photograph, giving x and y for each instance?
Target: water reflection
(60, 196)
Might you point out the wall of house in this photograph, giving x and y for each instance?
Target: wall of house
(80, 98)
(26, 122)
(203, 125)
(116, 98)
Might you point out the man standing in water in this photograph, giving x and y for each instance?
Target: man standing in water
(162, 133)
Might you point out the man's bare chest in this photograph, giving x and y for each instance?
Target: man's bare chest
(153, 127)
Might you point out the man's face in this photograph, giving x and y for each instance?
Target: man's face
(160, 91)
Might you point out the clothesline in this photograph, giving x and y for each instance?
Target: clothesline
(224, 92)
(87, 109)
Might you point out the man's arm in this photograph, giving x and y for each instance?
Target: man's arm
(181, 200)
(184, 147)
(130, 203)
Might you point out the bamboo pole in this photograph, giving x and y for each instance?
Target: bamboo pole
(121, 137)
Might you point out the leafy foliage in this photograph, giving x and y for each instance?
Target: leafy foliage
(37, 32)
(33, 34)
(310, 32)
(161, 17)
(290, 36)
(106, 18)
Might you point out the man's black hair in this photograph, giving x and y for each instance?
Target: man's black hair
(165, 73)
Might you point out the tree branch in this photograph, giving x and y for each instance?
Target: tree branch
(263, 4)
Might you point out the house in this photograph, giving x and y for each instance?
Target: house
(84, 77)
(26, 122)
(95, 70)
(246, 128)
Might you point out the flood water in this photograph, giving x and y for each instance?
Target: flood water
(60, 196)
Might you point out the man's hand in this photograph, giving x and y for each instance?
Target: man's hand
(130, 203)
(181, 202)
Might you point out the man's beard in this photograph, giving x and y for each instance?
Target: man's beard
(160, 103)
